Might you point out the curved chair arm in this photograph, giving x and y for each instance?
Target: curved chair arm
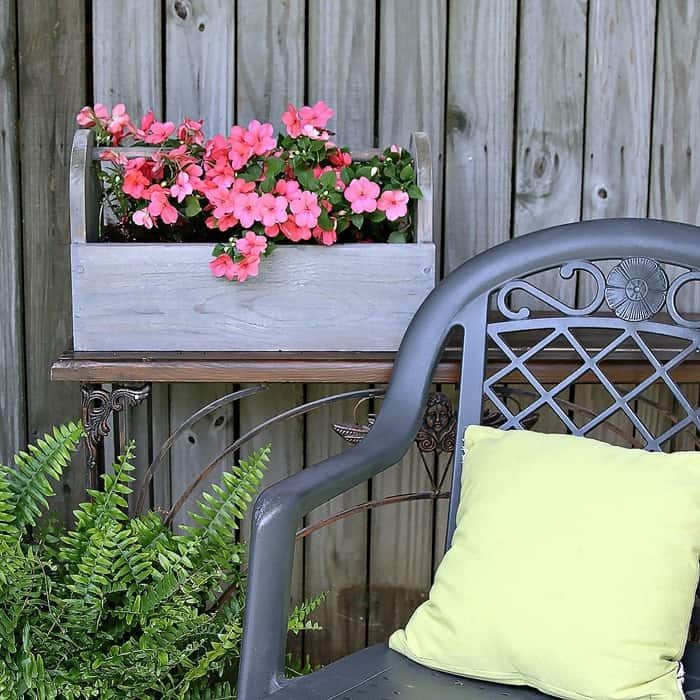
(276, 516)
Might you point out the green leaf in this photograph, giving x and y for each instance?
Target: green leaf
(357, 220)
(252, 173)
(274, 166)
(218, 250)
(407, 173)
(324, 221)
(414, 192)
(328, 180)
(268, 184)
(397, 237)
(347, 175)
(377, 216)
(192, 206)
(306, 179)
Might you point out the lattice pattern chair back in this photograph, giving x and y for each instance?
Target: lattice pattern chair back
(610, 366)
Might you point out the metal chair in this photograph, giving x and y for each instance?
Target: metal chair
(633, 302)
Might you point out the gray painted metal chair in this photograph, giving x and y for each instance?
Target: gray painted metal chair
(634, 302)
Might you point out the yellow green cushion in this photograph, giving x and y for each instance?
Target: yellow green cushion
(573, 568)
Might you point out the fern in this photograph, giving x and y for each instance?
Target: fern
(115, 607)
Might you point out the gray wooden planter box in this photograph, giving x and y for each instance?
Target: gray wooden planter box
(161, 297)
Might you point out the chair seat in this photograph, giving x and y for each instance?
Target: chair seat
(378, 673)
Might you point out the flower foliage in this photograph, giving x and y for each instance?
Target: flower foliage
(255, 188)
(120, 607)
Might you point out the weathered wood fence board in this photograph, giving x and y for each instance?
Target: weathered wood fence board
(12, 397)
(539, 112)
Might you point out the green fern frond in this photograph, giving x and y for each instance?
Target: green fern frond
(299, 617)
(219, 514)
(29, 483)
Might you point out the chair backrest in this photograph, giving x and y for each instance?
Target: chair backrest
(602, 344)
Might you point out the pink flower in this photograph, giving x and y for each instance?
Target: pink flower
(190, 131)
(291, 120)
(317, 116)
(135, 183)
(160, 205)
(223, 266)
(142, 218)
(305, 208)
(313, 133)
(146, 120)
(295, 233)
(240, 150)
(393, 202)
(396, 149)
(340, 159)
(259, 137)
(226, 222)
(251, 245)
(325, 237)
(245, 208)
(362, 195)
(112, 157)
(159, 132)
(272, 210)
(248, 267)
(182, 187)
(89, 116)
(287, 188)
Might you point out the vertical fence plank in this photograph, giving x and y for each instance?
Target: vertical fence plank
(200, 48)
(341, 72)
(618, 128)
(126, 55)
(12, 398)
(550, 115)
(411, 95)
(127, 68)
(336, 556)
(479, 127)
(270, 58)
(287, 457)
(411, 90)
(200, 62)
(52, 88)
(675, 170)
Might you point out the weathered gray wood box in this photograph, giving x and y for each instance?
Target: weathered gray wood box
(161, 297)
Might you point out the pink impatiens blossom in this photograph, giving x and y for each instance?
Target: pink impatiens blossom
(135, 183)
(305, 209)
(159, 132)
(317, 116)
(394, 203)
(160, 205)
(89, 116)
(240, 150)
(325, 237)
(248, 267)
(287, 188)
(142, 218)
(272, 210)
(245, 208)
(362, 195)
(295, 233)
(260, 138)
(292, 121)
(339, 159)
(190, 131)
(223, 266)
(182, 187)
(251, 245)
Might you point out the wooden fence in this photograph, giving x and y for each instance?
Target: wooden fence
(540, 112)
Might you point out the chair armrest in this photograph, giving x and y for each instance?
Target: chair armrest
(276, 516)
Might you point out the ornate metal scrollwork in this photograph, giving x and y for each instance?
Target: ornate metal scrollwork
(636, 289)
(673, 290)
(439, 429)
(566, 272)
(98, 405)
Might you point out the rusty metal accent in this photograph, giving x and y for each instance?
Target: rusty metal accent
(636, 289)
(98, 405)
(439, 429)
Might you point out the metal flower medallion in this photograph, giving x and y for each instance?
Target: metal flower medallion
(636, 289)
